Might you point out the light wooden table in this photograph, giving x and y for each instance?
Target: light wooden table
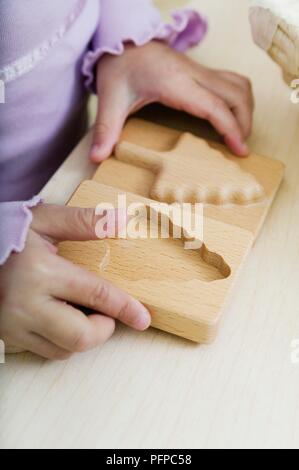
(153, 389)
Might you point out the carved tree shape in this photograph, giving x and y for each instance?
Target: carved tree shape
(193, 172)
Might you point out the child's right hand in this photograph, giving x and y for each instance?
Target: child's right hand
(38, 287)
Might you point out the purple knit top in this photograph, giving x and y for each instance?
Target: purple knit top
(48, 51)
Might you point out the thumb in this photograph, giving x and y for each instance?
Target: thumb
(76, 224)
(113, 109)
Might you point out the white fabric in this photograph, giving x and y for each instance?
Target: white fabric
(288, 10)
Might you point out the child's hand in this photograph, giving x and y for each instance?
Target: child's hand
(38, 288)
(156, 73)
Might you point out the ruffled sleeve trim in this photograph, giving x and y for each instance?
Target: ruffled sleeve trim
(188, 29)
(16, 218)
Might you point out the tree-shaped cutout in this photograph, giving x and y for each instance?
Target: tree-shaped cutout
(179, 256)
(192, 172)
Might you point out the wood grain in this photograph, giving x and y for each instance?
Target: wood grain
(155, 390)
(188, 169)
(125, 176)
(185, 290)
(192, 171)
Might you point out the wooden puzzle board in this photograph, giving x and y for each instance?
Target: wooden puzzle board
(186, 291)
(130, 178)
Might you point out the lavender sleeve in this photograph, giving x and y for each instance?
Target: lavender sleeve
(15, 220)
(139, 22)
(120, 21)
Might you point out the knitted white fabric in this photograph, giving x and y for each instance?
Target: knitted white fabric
(275, 28)
(288, 10)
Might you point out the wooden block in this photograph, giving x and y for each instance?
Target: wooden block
(266, 171)
(193, 171)
(125, 176)
(185, 290)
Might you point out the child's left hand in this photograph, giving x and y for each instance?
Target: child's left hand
(157, 73)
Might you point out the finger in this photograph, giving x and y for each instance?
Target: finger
(81, 287)
(206, 105)
(240, 82)
(238, 96)
(113, 109)
(44, 348)
(74, 223)
(71, 330)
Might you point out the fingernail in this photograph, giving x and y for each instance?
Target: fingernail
(95, 149)
(239, 147)
(244, 147)
(95, 153)
(144, 319)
